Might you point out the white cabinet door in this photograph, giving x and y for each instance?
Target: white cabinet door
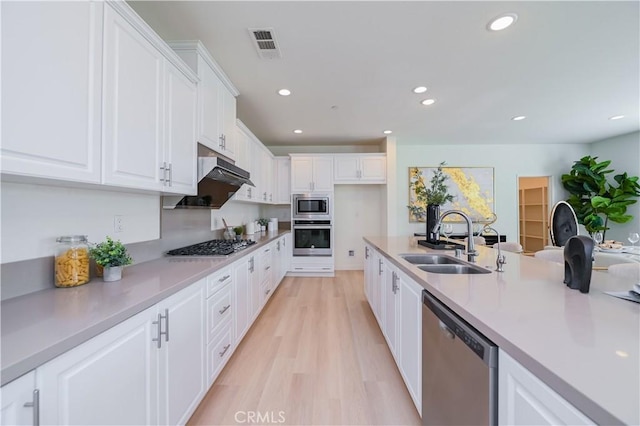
(209, 107)
(373, 169)
(523, 399)
(378, 294)
(17, 400)
(241, 299)
(133, 107)
(368, 273)
(180, 132)
(391, 301)
(110, 379)
(346, 168)
(410, 336)
(254, 287)
(301, 174)
(51, 89)
(323, 174)
(287, 253)
(182, 355)
(282, 185)
(227, 104)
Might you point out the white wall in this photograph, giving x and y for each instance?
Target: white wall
(33, 216)
(624, 153)
(509, 162)
(357, 213)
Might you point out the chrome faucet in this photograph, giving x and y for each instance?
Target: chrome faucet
(501, 259)
(471, 249)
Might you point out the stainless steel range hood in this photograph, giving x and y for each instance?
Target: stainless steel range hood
(218, 180)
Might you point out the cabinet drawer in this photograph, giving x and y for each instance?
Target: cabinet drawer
(218, 352)
(218, 280)
(218, 311)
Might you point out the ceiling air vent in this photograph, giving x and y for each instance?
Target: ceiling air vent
(264, 39)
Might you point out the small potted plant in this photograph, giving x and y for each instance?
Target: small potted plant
(238, 230)
(111, 256)
(437, 195)
(263, 224)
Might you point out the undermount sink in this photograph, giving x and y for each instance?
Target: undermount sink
(454, 269)
(431, 259)
(443, 264)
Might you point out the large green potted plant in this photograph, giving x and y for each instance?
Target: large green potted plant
(435, 195)
(595, 199)
(111, 256)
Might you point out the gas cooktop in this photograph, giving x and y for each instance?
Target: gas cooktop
(212, 248)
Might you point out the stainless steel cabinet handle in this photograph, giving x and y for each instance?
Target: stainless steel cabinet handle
(267, 268)
(221, 141)
(35, 405)
(224, 278)
(157, 338)
(224, 351)
(366, 252)
(278, 245)
(163, 168)
(393, 282)
(379, 266)
(170, 174)
(267, 250)
(267, 292)
(223, 310)
(166, 322)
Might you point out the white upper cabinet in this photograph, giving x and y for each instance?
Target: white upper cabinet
(51, 89)
(180, 132)
(360, 168)
(282, 179)
(216, 99)
(311, 173)
(134, 71)
(149, 108)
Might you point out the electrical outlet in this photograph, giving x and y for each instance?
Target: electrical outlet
(352, 253)
(118, 223)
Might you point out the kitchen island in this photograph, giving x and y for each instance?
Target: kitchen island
(585, 347)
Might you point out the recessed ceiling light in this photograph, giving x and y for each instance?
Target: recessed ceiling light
(502, 22)
(297, 131)
(387, 132)
(420, 89)
(428, 102)
(518, 117)
(284, 92)
(616, 117)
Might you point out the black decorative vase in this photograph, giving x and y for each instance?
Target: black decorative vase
(433, 214)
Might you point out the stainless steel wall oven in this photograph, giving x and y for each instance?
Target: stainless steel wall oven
(312, 238)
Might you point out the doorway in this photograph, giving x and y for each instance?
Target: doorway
(533, 195)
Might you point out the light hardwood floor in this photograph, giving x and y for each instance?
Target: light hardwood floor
(314, 356)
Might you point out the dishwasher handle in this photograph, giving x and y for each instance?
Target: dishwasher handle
(453, 326)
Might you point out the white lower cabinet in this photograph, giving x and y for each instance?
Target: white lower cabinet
(19, 401)
(241, 299)
(220, 313)
(523, 399)
(410, 336)
(110, 379)
(182, 362)
(396, 301)
(146, 370)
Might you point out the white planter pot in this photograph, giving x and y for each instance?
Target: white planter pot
(112, 273)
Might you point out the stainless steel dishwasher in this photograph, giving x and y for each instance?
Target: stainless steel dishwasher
(459, 369)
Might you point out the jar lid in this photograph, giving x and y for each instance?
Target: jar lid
(72, 239)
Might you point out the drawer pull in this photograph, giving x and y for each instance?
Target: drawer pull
(226, 277)
(267, 268)
(267, 292)
(223, 310)
(224, 351)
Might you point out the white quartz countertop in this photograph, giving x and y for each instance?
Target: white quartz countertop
(584, 346)
(39, 326)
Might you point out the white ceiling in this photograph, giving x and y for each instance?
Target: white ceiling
(352, 65)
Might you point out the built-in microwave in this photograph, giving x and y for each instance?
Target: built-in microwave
(311, 206)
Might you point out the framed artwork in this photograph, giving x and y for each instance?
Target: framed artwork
(471, 187)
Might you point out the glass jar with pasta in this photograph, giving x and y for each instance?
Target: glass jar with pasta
(72, 261)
